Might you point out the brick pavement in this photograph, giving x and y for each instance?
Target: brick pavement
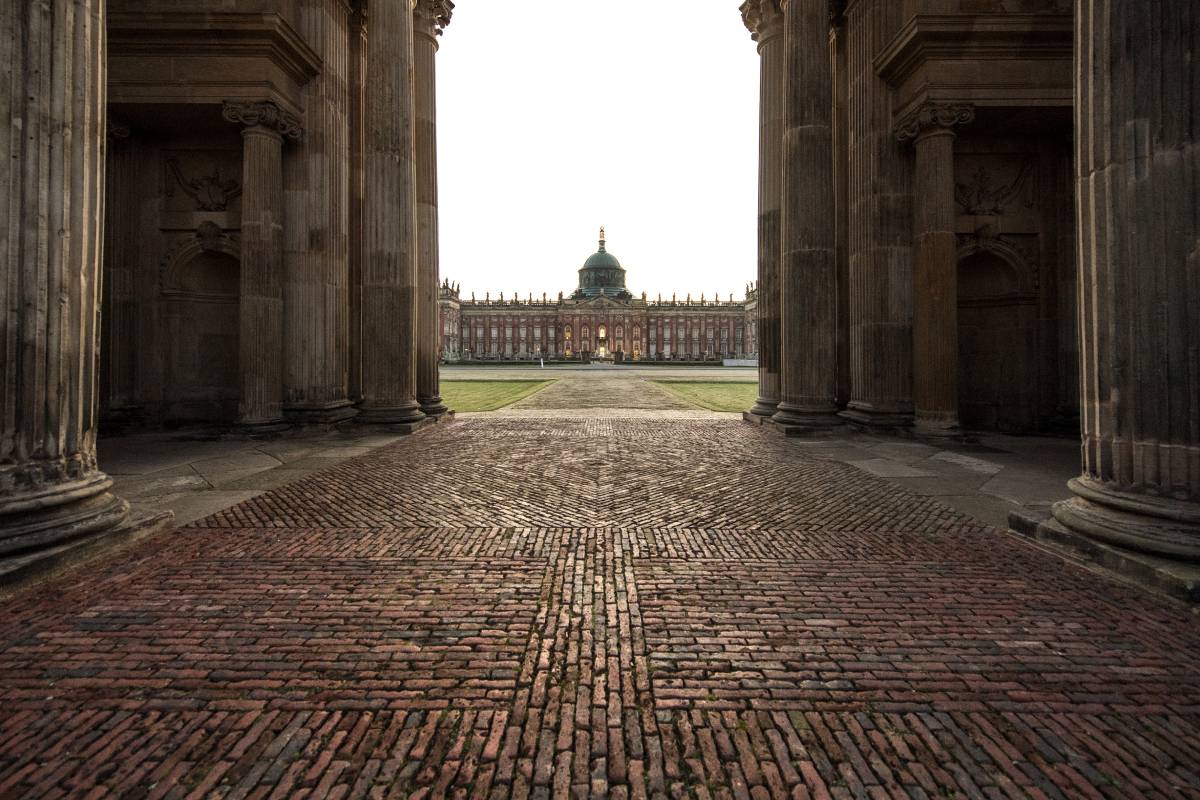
(633, 608)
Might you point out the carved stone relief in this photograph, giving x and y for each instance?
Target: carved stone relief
(210, 191)
(201, 181)
(995, 185)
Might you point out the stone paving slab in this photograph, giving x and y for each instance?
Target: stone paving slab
(618, 608)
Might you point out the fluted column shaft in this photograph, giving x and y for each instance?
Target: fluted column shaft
(841, 186)
(935, 264)
(808, 279)
(51, 218)
(119, 341)
(880, 228)
(316, 277)
(764, 18)
(430, 17)
(935, 284)
(1138, 189)
(260, 304)
(389, 258)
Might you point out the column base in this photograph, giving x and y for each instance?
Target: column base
(331, 413)
(256, 429)
(1159, 526)
(1177, 579)
(792, 420)
(433, 407)
(939, 428)
(22, 568)
(764, 407)
(403, 419)
(872, 419)
(58, 512)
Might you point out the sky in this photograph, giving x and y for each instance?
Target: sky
(557, 118)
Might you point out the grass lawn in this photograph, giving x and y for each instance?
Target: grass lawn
(487, 395)
(714, 395)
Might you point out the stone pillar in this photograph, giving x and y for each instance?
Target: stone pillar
(764, 18)
(260, 302)
(430, 19)
(808, 279)
(316, 234)
(935, 267)
(880, 227)
(841, 194)
(119, 342)
(389, 257)
(1138, 200)
(51, 207)
(357, 71)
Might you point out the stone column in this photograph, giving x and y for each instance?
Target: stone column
(51, 207)
(841, 193)
(764, 18)
(879, 227)
(355, 181)
(808, 279)
(316, 234)
(389, 257)
(430, 19)
(935, 267)
(119, 344)
(1138, 200)
(260, 302)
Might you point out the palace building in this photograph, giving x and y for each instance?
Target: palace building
(600, 320)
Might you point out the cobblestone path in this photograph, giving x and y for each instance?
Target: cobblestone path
(602, 390)
(639, 608)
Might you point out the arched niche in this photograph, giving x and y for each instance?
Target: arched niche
(997, 339)
(200, 285)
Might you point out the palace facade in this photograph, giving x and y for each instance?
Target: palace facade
(601, 319)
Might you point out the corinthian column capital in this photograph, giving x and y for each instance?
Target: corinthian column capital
(263, 114)
(431, 17)
(763, 18)
(932, 116)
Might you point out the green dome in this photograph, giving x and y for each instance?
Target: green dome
(602, 259)
(601, 274)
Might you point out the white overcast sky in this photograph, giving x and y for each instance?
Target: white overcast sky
(557, 118)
